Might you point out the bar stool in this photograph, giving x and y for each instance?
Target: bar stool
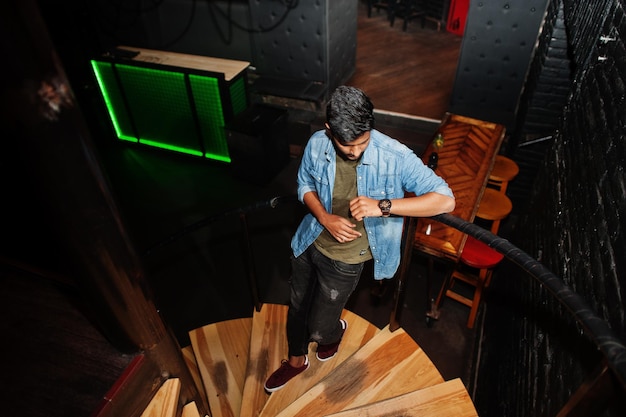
(494, 206)
(479, 256)
(504, 170)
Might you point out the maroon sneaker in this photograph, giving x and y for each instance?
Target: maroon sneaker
(326, 352)
(284, 374)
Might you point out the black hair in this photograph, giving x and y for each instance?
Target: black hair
(349, 113)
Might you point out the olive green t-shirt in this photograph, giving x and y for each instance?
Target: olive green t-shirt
(344, 191)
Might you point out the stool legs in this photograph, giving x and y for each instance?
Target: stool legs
(479, 282)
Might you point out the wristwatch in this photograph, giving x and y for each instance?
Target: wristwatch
(385, 207)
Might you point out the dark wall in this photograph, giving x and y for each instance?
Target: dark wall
(304, 48)
(534, 357)
(497, 47)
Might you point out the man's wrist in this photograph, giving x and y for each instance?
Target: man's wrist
(385, 207)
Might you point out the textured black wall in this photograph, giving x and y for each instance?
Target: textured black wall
(533, 356)
(497, 47)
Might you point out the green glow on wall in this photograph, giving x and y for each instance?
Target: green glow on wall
(170, 109)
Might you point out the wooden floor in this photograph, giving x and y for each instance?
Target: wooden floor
(408, 72)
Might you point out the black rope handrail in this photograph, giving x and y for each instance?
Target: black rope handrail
(596, 328)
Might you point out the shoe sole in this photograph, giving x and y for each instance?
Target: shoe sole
(330, 357)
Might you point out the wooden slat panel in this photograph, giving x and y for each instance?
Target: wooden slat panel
(165, 401)
(221, 350)
(268, 344)
(465, 161)
(359, 332)
(449, 399)
(389, 365)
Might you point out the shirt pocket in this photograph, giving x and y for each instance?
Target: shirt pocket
(318, 174)
(383, 191)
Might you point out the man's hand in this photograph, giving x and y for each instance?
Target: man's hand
(364, 207)
(340, 228)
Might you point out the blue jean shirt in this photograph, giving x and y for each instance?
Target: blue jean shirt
(387, 169)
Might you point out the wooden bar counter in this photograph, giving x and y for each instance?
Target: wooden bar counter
(465, 161)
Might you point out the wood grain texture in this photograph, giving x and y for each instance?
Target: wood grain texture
(190, 410)
(358, 333)
(389, 365)
(221, 351)
(465, 161)
(229, 67)
(448, 399)
(268, 346)
(192, 364)
(165, 402)
(408, 72)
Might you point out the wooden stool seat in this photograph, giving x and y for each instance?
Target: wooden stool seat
(476, 255)
(504, 170)
(494, 206)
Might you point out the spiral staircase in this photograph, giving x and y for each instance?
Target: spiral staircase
(375, 373)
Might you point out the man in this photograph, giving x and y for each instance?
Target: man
(353, 180)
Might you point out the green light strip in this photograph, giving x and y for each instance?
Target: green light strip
(217, 157)
(170, 147)
(105, 94)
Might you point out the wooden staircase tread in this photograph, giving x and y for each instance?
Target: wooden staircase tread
(165, 401)
(448, 399)
(221, 350)
(192, 364)
(358, 333)
(389, 365)
(190, 410)
(268, 344)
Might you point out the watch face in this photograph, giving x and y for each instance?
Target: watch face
(384, 205)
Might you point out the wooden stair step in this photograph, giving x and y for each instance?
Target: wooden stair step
(190, 360)
(190, 410)
(165, 401)
(221, 351)
(448, 399)
(358, 333)
(389, 365)
(268, 344)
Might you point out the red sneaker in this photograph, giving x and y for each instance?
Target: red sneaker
(326, 352)
(284, 374)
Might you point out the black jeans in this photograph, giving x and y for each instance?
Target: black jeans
(320, 288)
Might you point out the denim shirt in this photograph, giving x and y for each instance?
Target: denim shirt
(387, 169)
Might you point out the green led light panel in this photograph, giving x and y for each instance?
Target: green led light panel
(206, 94)
(160, 107)
(114, 100)
(152, 106)
(238, 96)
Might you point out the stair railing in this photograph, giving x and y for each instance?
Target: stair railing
(596, 329)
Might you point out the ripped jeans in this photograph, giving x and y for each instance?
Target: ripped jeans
(320, 288)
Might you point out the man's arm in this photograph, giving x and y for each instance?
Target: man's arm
(340, 228)
(426, 205)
